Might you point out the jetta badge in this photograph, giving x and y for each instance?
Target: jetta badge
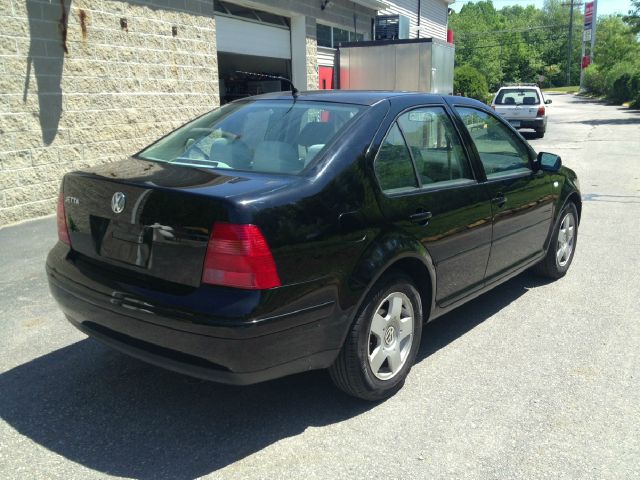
(118, 201)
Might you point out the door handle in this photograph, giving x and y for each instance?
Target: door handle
(421, 217)
(499, 200)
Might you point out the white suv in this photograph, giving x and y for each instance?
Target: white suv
(523, 106)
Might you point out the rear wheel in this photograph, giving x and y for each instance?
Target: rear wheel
(562, 246)
(383, 341)
(540, 132)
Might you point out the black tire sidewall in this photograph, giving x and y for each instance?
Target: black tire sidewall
(395, 283)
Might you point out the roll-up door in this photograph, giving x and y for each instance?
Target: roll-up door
(250, 38)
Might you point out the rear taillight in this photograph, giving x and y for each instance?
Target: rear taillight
(238, 256)
(63, 233)
(540, 111)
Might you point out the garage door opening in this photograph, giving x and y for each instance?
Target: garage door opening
(235, 85)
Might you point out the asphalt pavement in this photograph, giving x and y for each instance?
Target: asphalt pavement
(532, 380)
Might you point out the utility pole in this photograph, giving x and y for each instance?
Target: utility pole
(570, 50)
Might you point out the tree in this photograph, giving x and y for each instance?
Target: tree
(517, 44)
(469, 82)
(633, 19)
(615, 43)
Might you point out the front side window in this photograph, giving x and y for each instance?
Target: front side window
(434, 143)
(517, 96)
(280, 136)
(393, 164)
(501, 151)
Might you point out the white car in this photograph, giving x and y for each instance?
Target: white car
(523, 106)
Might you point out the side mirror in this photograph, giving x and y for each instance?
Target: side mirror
(549, 162)
(547, 102)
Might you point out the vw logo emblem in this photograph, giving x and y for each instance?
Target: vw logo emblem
(118, 201)
(389, 335)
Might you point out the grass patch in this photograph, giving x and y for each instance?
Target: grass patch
(571, 89)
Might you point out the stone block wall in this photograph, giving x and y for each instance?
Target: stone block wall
(90, 81)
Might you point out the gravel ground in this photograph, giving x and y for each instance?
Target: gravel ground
(532, 380)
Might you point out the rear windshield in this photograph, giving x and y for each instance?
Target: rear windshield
(520, 96)
(278, 136)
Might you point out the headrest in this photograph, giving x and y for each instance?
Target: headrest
(236, 154)
(312, 151)
(314, 133)
(528, 101)
(274, 156)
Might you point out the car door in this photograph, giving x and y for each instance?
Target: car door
(428, 190)
(521, 198)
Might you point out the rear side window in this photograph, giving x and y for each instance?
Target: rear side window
(517, 96)
(393, 164)
(435, 146)
(279, 136)
(501, 151)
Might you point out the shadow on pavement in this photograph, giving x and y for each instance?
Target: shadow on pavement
(610, 121)
(119, 416)
(446, 329)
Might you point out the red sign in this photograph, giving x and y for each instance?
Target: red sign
(588, 13)
(586, 61)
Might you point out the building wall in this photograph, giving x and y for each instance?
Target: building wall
(109, 94)
(433, 16)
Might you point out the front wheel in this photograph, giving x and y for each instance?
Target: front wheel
(383, 341)
(562, 246)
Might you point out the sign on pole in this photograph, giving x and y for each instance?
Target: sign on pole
(588, 15)
(588, 38)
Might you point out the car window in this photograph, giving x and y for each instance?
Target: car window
(434, 143)
(517, 96)
(279, 136)
(501, 151)
(393, 164)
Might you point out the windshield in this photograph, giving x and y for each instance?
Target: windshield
(260, 135)
(517, 96)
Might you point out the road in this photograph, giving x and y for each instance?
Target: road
(532, 380)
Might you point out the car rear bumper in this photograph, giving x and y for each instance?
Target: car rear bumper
(535, 123)
(240, 350)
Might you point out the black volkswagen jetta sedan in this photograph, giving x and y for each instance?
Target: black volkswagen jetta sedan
(284, 233)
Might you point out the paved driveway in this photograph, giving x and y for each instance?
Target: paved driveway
(532, 380)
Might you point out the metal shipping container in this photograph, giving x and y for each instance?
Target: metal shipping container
(420, 64)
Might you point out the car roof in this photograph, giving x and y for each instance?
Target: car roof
(520, 87)
(360, 97)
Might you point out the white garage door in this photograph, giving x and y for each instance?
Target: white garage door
(249, 38)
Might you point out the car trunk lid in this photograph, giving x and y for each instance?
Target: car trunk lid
(154, 218)
(517, 112)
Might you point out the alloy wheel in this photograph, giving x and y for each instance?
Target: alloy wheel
(566, 240)
(391, 335)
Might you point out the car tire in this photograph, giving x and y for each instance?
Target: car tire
(540, 133)
(562, 246)
(383, 341)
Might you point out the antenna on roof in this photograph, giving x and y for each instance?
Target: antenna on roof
(294, 90)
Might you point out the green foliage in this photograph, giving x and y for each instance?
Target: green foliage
(633, 19)
(520, 44)
(616, 72)
(615, 43)
(468, 81)
(594, 80)
(516, 44)
(620, 81)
